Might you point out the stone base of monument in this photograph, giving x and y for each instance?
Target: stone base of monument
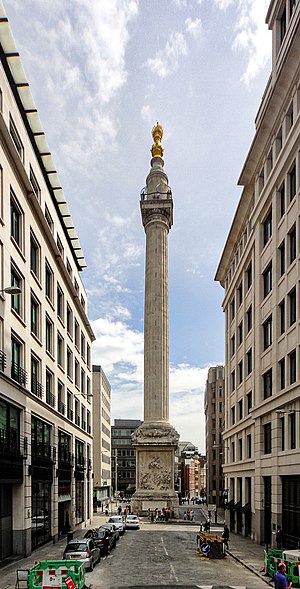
(155, 444)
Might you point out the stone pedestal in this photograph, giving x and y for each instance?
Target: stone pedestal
(155, 444)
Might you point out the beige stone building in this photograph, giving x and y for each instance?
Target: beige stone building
(45, 337)
(259, 271)
(214, 408)
(102, 437)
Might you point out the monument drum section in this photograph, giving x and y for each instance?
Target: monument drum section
(156, 439)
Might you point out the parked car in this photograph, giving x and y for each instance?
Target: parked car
(118, 521)
(113, 528)
(84, 550)
(132, 522)
(105, 539)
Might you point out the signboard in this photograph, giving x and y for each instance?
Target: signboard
(52, 579)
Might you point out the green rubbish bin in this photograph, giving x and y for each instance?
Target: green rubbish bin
(62, 568)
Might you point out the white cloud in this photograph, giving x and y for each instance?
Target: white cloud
(166, 61)
(194, 27)
(251, 34)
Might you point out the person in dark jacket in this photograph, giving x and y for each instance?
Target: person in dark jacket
(225, 536)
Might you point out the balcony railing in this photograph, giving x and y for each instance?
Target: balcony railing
(61, 407)
(2, 360)
(44, 451)
(80, 462)
(50, 399)
(64, 456)
(11, 444)
(36, 388)
(18, 373)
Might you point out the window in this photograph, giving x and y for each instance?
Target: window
(293, 369)
(249, 361)
(233, 451)
(34, 316)
(267, 280)
(60, 398)
(76, 373)
(292, 6)
(282, 373)
(232, 345)
(281, 251)
(278, 141)
(292, 182)
(15, 221)
(76, 333)
(249, 402)
(241, 409)
(69, 363)
(240, 449)
(60, 303)
(82, 382)
(233, 380)
(16, 299)
(240, 333)
(50, 399)
(69, 320)
(267, 228)
(36, 387)
(232, 309)
(292, 305)
(240, 371)
(88, 355)
(267, 384)
(267, 438)
(249, 446)
(249, 275)
(82, 346)
(88, 387)
(282, 27)
(60, 350)
(282, 431)
(249, 319)
(289, 118)
(292, 244)
(34, 256)
(240, 294)
(232, 415)
(281, 197)
(48, 282)
(76, 285)
(35, 187)
(292, 428)
(16, 138)
(267, 332)
(60, 247)
(49, 335)
(69, 268)
(49, 219)
(281, 307)
(17, 351)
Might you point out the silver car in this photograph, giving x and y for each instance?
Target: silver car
(84, 550)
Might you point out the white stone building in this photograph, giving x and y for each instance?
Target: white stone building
(259, 271)
(102, 437)
(45, 337)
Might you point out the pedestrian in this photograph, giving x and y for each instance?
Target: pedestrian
(225, 536)
(201, 527)
(279, 538)
(119, 510)
(280, 580)
(184, 515)
(192, 516)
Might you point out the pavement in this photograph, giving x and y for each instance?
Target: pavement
(242, 549)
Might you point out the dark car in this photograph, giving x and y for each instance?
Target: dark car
(103, 538)
(113, 529)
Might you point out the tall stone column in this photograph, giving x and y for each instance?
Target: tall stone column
(156, 439)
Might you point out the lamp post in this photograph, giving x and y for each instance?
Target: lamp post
(12, 290)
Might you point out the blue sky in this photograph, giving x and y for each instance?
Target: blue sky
(102, 72)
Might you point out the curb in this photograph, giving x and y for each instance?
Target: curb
(251, 569)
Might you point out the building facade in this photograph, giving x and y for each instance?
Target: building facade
(259, 271)
(214, 424)
(102, 437)
(45, 337)
(123, 456)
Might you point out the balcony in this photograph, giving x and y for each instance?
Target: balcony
(2, 361)
(42, 452)
(19, 374)
(50, 399)
(36, 388)
(13, 450)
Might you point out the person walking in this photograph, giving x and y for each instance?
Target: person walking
(225, 536)
(280, 580)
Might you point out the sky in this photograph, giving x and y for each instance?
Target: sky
(102, 72)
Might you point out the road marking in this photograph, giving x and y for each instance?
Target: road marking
(173, 575)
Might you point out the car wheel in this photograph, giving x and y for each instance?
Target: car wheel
(92, 566)
(108, 550)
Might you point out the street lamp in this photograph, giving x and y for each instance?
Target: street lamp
(12, 290)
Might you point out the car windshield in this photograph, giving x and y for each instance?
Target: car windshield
(132, 517)
(101, 533)
(115, 519)
(76, 547)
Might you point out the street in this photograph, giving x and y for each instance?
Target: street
(165, 554)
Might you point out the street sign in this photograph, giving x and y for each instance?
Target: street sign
(205, 548)
(52, 579)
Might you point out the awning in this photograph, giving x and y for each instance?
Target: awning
(237, 506)
(246, 508)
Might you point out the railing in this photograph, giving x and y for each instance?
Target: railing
(11, 444)
(2, 360)
(36, 388)
(157, 195)
(61, 407)
(79, 462)
(50, 399)
(18, 373)
(64, 456)
(41, 451)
